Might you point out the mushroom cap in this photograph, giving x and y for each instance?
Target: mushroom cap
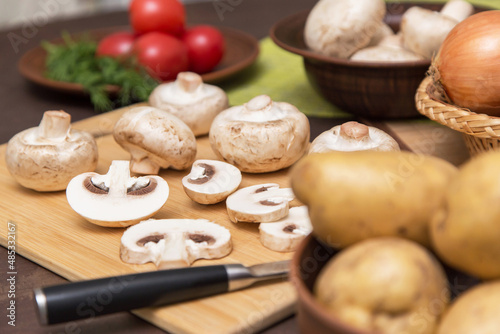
(47, 157)
(286, 234)
(116, 199)
(395, 41)
(425, 30)
(343, 138)
(174, 242)
(338, 28)
(211, 181)
(191, 100)
(384, 31)
(259, 203)
(155, 138)
(261, 135)
(458, 10)
(385, 53)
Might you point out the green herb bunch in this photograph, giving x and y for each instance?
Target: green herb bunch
(76, 61)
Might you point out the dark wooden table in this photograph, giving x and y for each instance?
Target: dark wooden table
(22, 105)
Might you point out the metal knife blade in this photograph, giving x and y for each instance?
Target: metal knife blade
(241, 276)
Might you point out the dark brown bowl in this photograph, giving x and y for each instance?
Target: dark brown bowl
(309, 258)
(368, 89)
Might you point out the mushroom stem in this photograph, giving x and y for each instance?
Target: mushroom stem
(170, 252)
(55, 125)
(189, 81)
(116, 180)
(354, 130)
(144, 166)
(259, 103)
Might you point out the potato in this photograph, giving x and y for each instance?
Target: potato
(474, 312)
(353, 196)
(385, 285)
(467, 234)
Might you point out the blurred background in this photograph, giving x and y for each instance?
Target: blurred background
(14, 14)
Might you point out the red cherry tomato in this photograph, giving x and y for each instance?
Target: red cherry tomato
(166, 16)
(115, 45)
(164, 55)
(205, 46)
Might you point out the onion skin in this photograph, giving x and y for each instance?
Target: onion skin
(467, 66)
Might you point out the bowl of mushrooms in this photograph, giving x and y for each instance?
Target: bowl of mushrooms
(368, 57)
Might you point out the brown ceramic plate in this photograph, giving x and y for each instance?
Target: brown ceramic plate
(242, 50)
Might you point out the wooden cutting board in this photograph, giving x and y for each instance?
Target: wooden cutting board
(51, 234)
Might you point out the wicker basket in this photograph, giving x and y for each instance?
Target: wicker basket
(481, 132)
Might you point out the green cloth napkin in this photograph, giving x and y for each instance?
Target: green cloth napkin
(281, 75)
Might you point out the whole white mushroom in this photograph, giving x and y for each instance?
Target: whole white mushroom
(155, 139)
(338, 28)
(353, 136)
(47, 157)
(194, 102)
(261, 135)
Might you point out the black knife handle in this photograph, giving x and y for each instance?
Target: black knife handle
(88, 299)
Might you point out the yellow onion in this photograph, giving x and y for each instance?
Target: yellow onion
(467, 65)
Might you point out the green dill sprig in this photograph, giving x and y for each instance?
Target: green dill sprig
(76, 62)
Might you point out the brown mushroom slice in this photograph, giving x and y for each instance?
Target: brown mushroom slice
(171, 243)
(155, 139)
(116, 199)
(211, 181)
(353, 136)
(47, 157)
(259, 203)
(193, 101)
(260, 136)
(286, 234)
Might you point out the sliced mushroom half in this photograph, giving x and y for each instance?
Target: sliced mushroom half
(286, 234)
(211, 181)
(171, 243)
(116, 199)
(259, 203)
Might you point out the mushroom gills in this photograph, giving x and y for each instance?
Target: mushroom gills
(259, 203)
(173, 243)
(140, 187)
(286, 234)
(207, 173)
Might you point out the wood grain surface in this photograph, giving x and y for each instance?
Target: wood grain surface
(51, 234)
